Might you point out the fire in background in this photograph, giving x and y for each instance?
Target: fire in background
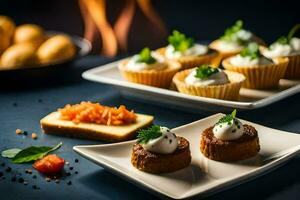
(122, 27)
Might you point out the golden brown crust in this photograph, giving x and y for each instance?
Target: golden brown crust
(260, 76)
(161, 163)
(234, 150)
(212, 58)
(156, 78)
(84, 133)
(229, 91)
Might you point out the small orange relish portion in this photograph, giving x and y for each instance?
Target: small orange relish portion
(88, 112)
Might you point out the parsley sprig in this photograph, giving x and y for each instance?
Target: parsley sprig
(230, 33)
(145, 135)
(286, 39)
(227, 118)
(145, 56)
(205, 71)
(251, 51)
(180, 42)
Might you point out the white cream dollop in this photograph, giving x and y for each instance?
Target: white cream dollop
(218, 78)
(245, 61)
(278, 50)
(229, 130)
(195, 50)
(244, 35)
(295, 43)
(227, 46)
(165, 144)
(134, 65)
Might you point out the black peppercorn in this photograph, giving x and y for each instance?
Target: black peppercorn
(20, 180)
(8, 169)
(69, 183)
(76, 160)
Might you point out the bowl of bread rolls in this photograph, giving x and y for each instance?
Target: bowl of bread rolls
(29, 47)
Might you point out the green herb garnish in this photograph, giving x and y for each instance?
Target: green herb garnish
(145, 56)
(227, 118)
(148, 134)
(230, 33)
(252, 51)
(180, 42)
(205, 71)
(10, 153)
(286, 39)
(29, 154)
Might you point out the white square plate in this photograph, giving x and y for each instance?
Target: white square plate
(249, 98)
(203, 177)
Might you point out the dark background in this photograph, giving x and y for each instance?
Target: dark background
(204, 20)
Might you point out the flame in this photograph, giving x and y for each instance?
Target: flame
(95, 21)
(123, 23)
(97, 11)
(152, 15)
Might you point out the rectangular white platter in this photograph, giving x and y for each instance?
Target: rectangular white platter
(249, 98)
(203, 177)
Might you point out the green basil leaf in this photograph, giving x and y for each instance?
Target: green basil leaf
(33, 153)
(10, 153)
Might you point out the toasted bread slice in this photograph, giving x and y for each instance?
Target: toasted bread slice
(52, 124)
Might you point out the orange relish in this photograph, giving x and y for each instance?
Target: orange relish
(88, 112)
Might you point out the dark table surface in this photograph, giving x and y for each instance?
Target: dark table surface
(24, 106)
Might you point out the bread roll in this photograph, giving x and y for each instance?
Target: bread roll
(4, 40)
(18, 55)
(59, 47)
(29, 33)
(8, 25)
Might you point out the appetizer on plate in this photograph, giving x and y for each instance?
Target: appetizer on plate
(188, 53)
(94, 121)
(259, 71)
(229, 140)
(286, 46)
(207, 81)
(233, 41)
(149, 68)
(158, 150)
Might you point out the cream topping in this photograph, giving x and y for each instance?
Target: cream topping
(228, 46)
(165, 144)
(280, 50)
(239, 60)
(229, 130)
(134, 65)
(218, 78)
(195, 50)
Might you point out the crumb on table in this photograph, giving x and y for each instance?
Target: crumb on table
(34, 136)
(19, 131)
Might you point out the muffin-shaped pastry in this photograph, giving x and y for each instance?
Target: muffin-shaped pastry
(233, 41)
(18, 55)
(260, 72)
(29, 33)
(158, 150)
(4, 40)
(56, 48)
(229, 140)
(189, 54)
(207, 81)
(149, 68)
(286, 46)
(8, 25)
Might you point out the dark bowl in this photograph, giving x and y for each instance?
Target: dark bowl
(45, 72)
